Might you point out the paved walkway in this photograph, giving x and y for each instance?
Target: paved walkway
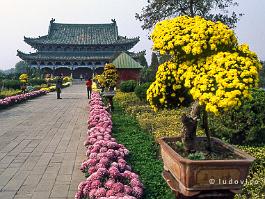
(41, 146)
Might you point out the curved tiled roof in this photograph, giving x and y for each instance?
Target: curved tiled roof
(67, 56)
(82, 34)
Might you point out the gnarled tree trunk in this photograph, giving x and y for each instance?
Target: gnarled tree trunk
(190, 127)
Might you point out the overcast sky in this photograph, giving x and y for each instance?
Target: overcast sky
(31, 18)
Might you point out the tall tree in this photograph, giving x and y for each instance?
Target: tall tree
(148, 73)
(21, 67)
(215, 10)
(262, 75)
(142, 60)
(154, 61)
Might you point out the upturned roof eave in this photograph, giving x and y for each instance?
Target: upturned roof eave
(44, 40)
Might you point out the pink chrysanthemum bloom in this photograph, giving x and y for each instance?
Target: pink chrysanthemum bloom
(102, 172)
(105, 161)
(134, 175)
(110, 193)
(81, 186)
(101, 155)
(92, 170)
(137, 192)
(86, 190)
(120, 195)
(115, 164)
(128, 189)
(101, 192)
(118, 187)
(135, 182)
(78, 195)
(127, 174)
(92, 162)
(103, 150)
(92, 193)
(93, 156)
(98, 166)
(95, 184)
(93, 177)
(114, 172)
(110, 154)
(109, 183)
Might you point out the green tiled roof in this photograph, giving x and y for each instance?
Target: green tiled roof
(125, 61)
(82, 34)
(67, 56)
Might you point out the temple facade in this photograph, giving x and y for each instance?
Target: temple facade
(79, 49)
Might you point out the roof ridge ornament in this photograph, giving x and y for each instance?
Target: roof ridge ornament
(113, 21)
(52, 21)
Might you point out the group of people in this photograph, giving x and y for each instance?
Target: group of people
(59, 84)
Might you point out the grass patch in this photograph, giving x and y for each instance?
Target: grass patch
(143, 154)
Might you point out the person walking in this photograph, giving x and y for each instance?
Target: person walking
(59, 84)
(89, 87)
(81, 77)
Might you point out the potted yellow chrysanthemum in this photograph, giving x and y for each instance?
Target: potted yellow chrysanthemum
(23, 78)
(212, 71)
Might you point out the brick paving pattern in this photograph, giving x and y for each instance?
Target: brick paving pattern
(41, 146)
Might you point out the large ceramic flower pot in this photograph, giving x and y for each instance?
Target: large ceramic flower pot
(195, 176)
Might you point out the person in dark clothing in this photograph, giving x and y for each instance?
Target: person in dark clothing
(59, 84)
(89, 87)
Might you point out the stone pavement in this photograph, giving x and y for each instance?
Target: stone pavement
(41, 146)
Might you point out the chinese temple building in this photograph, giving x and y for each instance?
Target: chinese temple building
(82, 49)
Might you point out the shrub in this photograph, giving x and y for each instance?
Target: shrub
(255, 184)
(128, 86)
(245, 125)
(142, 159)
(160, 124)
(34, 82)
(8, 93)
(11, 84)
(127, 99)
(141, 90)
(67, 79)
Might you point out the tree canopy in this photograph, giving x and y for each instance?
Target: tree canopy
(215, 10)
(21, 67)
(206, 60)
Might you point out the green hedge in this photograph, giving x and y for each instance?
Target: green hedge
(128, 86)
(245, 125)
(255, 184)
(143, 154)
(11, 84)
(8, 93)
(35, 82)
(141, 90)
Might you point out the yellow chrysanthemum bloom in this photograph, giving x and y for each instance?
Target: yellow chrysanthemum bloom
(206, 61)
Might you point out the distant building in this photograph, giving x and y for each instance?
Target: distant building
(82, 49)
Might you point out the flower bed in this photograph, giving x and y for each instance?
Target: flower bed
(149, 121)
(108, 174)
(12, 100)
